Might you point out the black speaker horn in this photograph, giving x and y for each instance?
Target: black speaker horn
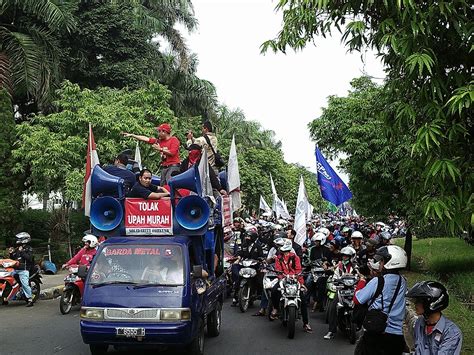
(103, 183)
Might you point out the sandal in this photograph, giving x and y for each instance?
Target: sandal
(259, 314)
(307, 328)
(273, 316)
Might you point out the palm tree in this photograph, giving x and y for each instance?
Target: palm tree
(29, 50)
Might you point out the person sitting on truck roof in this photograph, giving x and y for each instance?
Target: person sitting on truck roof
(119, 168)
(144, 188)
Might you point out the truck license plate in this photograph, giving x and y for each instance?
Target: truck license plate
(130, 332)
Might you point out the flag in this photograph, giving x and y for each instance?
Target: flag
(309, 211)
(138, 156)
(233, 177)
(300, 214)
(264, 205)
(204, 175)
(331, 207)
(274, 194)
(92, 159)
(332, 187)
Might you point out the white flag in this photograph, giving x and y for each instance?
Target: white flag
(138, 156)
(204, 175)
(309, 211)
(274, 196)
(300, 214)
(264, 205)
(92, 159)
(233, 177)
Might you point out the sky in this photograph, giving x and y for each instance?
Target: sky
(282, 92)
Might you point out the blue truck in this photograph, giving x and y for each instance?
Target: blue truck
(157, 283)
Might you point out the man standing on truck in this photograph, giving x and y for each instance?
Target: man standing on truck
(167, 145)
(144, 188)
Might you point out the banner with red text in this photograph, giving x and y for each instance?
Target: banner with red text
(226, 211)
(148, 217)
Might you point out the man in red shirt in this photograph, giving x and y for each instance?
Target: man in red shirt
(168, 146)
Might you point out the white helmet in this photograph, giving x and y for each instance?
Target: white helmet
(318, 236)
(348, 251)
(287, 246)
(23, 238)
(381, 224)
(279, 242)
(325, 231)
(356, 235)
(394, 257)
(92, 239)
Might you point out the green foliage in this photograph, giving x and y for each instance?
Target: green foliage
(10, 191)
(427, 50)
(36, 223)
(52, 148)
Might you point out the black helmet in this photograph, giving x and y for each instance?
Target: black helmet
(252, 234)
(22, 238)
(433, 295)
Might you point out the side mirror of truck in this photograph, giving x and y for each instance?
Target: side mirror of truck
(197, 271)
(82, 271)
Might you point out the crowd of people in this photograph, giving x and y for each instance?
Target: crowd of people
(348, 246)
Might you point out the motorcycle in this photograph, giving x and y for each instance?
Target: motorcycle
(10, 285)
(290, 302)
(72, 291)
(343, 288)
(249, 287)
(270, 279)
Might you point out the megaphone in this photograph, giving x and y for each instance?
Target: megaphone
(192, 213)
(104, 183)
(155, 180)
(189, 180)
(106, 213)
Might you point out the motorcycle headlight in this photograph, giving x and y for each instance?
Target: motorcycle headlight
(248, 263)
(247, 272)
(291, 290)
(5, 273)
(92, 313)
(349, 282)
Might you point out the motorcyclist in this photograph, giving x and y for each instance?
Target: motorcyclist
(291, 234)
(289, 263)
(434, 333)
(388, 260)
(364, 255)
(23, 253)
(85, 255)
(250, 249)
(356, 241)
(343, 267)
(318, 252)
(385, 238)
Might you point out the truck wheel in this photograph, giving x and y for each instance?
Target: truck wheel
(98, 349)
(65, 303)
(197, 345)
(291, 321)
(214, 321)
(244, 298)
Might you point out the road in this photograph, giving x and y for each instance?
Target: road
(43, 330)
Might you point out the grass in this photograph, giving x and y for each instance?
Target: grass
(450, 261)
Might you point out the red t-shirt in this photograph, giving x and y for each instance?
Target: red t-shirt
(173, 146)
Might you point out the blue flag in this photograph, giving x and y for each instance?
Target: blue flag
(332, 187)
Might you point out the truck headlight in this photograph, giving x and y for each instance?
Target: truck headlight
(92, 313)
(175, 314)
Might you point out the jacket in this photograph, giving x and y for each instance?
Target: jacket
(289, 264)
(25, 257)
(83, 257)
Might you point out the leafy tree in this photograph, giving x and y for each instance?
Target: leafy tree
(29, 48)
(53, 147)
(426, 48)
(10, 193)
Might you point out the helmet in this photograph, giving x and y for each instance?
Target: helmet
(356, 235)
(433, 295)
(92, 239)
(380, 224)
(279, 242)
(287, 246)
(253, 234)
(348, 251)
(394, 257)
(319, 236)
(325, 231)
(23, 238)
(345, 229)
(386, 235)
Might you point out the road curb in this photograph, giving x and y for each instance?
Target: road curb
(51, 292)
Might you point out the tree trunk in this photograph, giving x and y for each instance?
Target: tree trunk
(408, 247)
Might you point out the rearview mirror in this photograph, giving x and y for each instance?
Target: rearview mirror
(82, 271)
(197, 271)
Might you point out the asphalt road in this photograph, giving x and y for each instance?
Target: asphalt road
(43, 330)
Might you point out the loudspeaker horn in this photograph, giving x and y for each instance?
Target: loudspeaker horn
(189, 180)
(106, 213)
(192, 213)
(104, 183)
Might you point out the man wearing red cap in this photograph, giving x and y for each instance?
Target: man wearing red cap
(167, 145)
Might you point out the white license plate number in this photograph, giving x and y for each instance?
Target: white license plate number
(130, 332)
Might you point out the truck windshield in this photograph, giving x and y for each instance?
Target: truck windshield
(139, 264)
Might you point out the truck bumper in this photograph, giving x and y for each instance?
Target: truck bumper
(179, 333)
